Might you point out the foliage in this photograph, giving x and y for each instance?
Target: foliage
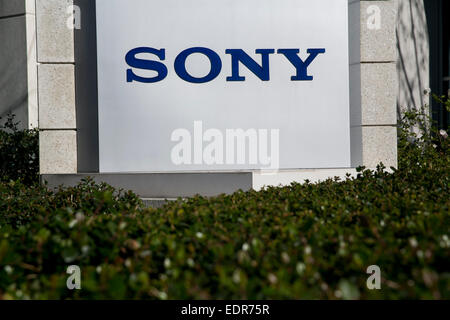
(19, 150)
(308, 241)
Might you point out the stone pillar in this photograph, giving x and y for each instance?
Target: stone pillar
(373, 107)
(56, 87)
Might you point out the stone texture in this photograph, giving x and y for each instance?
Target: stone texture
(379, 89)
(58, 152)
(373, 83)
(379, 145)
(55, 39)
(56, 96)
(379, 44)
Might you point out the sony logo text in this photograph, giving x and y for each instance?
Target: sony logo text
(238, 57)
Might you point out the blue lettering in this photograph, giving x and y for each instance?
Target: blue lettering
(300, 65)
(239, 55)
(262, 71)
(134, 62)
(180, 65)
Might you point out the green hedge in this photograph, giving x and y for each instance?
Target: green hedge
(19, 150)
(310, 241)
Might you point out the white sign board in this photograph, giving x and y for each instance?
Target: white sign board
(201, 85)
